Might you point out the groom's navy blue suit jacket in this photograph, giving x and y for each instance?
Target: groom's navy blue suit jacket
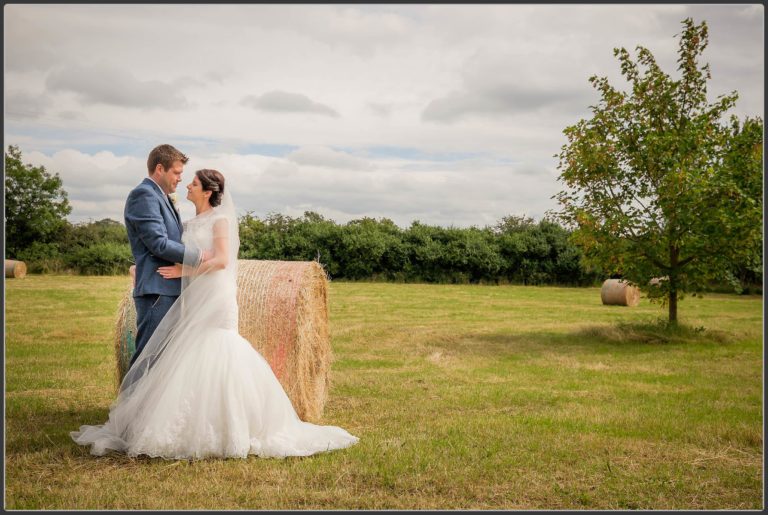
(154, 232)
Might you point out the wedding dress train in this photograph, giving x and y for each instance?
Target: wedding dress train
(199, 389)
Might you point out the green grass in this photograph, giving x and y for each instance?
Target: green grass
(464, 397)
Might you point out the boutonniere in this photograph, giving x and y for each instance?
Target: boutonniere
(174, 200)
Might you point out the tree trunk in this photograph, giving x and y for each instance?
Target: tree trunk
(674, 256)
(673, 307)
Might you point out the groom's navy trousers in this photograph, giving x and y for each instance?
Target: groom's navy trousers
(150, 310)
(154, 232)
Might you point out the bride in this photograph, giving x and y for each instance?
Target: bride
(199, 389)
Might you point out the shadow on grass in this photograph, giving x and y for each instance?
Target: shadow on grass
(45, 432)
(658, 332)
(621, 336)
(46, 429)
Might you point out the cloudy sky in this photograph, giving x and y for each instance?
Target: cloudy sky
(447, 114)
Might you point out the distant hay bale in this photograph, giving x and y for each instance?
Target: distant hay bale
(618, 292)
(15, 269)
(656, 281)
(284, 315)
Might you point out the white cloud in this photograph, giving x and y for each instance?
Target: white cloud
(89, 176)
(462, 193)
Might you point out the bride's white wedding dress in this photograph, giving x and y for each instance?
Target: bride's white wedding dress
(199, 389)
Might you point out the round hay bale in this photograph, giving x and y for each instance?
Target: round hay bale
(656, 281)
(16, 269)
(617, 292)
(284, 315)
(125, 334)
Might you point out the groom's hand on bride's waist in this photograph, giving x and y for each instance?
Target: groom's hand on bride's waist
(171, 272)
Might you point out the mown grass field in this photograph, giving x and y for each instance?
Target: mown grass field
(464, 397)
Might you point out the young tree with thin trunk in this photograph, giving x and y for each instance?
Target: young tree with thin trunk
(658, 184)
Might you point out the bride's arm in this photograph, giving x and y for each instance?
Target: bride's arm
(220, 249)
(218, 261)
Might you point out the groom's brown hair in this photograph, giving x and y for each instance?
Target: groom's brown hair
(164, 155)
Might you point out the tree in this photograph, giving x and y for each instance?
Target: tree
(657, 185)
(35, 204)
(514, 224)
(744, 158)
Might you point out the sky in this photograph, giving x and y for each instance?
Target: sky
(445, 114)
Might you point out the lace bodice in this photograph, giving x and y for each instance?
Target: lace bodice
(198, 231)
(220, 286)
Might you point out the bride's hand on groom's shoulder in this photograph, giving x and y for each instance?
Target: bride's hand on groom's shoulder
(170, 272)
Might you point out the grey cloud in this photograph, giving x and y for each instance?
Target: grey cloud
(735, 66)
(101, 84)
(323, 156)
(187, 82)
(380, 109)
(533, 170)
(497, 101)
(31, 47)
(500, 66)
(20, 104)
(746, 20)
(23, 58)
(219, 76)
(71, 115)
(503, 82)
(283, 101)
(361, 30)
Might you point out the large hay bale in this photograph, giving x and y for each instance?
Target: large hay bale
(16, 269)
(125, 335)
(618, 292)
(284, 315)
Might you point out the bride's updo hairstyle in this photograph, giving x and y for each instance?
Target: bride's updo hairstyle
(212, 181)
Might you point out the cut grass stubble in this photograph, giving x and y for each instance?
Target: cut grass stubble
(463, 396)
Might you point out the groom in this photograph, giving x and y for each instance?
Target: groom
(154, 232)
